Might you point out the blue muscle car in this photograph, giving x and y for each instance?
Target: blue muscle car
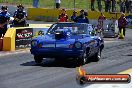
(68, 40)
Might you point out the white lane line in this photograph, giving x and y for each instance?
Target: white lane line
(5, 53)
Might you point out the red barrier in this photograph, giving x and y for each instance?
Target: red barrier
(1, 44)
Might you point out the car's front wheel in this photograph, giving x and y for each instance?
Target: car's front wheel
(97, 56)
(83, 58)
(38, 59)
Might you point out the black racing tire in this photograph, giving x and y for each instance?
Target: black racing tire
(82, 80)
(82, 60)
(57, 60)
(38, 59)
(97, 56)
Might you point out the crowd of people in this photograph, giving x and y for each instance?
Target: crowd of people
(81, 18)
(110, 5)
(19, 18)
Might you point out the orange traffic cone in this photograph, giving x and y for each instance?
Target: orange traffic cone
(121, 36)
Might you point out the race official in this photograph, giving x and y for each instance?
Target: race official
(63, 17)
(20, 16)
(122, 22)
(4, 20)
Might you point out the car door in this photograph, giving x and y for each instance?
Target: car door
(48, 44)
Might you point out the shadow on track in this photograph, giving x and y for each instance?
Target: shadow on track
(52, 63)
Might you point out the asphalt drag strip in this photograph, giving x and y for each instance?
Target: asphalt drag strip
(20, 70)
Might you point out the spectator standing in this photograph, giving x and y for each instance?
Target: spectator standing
(113, 5)
(20, 16)
(4, 20)
(99, 5)
(82, 18)
(58, 2)
(122, 22)
(121, 5)
(74, 15)
(35, 3)
(63, 17)
(130, 6)
(124, 6)
(107, 5)
(127, 6)
(92, 5)
(101, 20)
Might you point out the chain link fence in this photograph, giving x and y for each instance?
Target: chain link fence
(68, 4)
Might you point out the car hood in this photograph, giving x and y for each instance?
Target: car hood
(49, 41)
(70, 39)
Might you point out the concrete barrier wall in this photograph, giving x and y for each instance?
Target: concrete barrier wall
(52, 14)
(9, 40)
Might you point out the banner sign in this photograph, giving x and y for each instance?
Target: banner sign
(23, 38)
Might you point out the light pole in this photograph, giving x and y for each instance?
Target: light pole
(74, 5)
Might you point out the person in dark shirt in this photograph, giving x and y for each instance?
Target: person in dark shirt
(82, 18)
(99, 5)
(73, 17)
(127, 6)
(20, 16)
(107, 5)
(113, 5)
(4, 20)
(92, 5)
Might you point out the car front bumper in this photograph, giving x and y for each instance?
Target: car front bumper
(54, 53)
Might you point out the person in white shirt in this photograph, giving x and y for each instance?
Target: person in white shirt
(58, 2)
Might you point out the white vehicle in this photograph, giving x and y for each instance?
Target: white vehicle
(110, 28)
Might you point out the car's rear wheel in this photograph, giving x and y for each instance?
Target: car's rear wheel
(97, 56)
(38, 59)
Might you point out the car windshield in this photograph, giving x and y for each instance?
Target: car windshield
(71, 28)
